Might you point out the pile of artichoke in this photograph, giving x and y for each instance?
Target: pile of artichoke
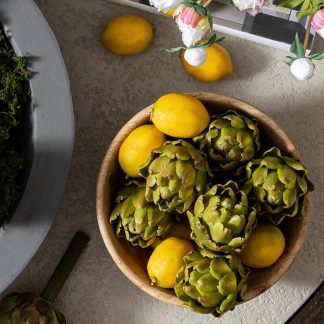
(28, 308)
(223, 181)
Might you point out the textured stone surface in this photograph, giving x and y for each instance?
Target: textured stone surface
(107, 90)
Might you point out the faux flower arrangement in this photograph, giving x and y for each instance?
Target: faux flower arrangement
(195, 21)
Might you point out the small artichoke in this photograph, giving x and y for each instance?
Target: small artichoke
(211, 284)
(28, 308)
(222, 219)
(279, 184)
(175, 174)
(141, 222)
(230, 140)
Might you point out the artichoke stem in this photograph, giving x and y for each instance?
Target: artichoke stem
(65, 266)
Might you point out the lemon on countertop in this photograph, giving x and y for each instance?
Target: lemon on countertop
(127, 35)
(137, 147)
(166, 260)
(217, 66)
(264, 246)
(180, 115)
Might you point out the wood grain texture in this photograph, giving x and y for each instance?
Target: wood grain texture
(132, 260)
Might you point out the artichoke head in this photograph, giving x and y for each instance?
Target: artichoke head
(139, 221)
(230, 140)
(28, 308)
(175, 174)
(279, 183)
(211, 284)
(222, 219)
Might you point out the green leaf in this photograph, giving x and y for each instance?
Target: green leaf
(212, 40)
(317, 56)
(309, 8)
(289, 63)
(201, 10)
(189, 4)
(290, 3)
(297, 47)
(175, 49)
(198, 8)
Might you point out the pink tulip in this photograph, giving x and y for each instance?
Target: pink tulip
(192, 24)
(190, 16)
(318, 22)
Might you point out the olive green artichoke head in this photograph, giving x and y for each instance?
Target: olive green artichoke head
(279, 184)
(140, 221)
(211, 285)
(27, 308)
(230, 140)
(222, 219)
(175, 174)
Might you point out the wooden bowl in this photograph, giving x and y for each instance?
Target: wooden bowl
(132, 260)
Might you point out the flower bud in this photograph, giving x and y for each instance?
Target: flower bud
(192, 24)
(302, 69)
(195, 56)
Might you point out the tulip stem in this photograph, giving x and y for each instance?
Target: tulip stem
(207, 3)
(307, 35)
(65, 266)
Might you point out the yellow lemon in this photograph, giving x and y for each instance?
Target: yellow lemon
(127, 35)
(218, 65)
(137, 148)
(264, 246)
(166, 260)
(180, 115)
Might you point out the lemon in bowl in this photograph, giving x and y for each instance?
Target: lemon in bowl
(137, 147)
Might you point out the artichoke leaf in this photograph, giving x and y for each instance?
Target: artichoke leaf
(289, 197)
(219, 267)
(211, 300)
(228, 284)
(287, 176)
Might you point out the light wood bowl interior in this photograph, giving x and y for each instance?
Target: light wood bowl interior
(132, 260)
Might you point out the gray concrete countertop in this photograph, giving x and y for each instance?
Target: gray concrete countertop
(107, 90)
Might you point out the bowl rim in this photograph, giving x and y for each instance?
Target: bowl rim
(102, 219)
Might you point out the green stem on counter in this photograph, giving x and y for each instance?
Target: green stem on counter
(65, 266)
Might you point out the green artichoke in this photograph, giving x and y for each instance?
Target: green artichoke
(222, 219)
(230, 140)
(28, 308)
(175, 174)
(211, 284)
(140, 221)
(279, 184)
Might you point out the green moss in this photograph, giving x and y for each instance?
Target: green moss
(14, 94)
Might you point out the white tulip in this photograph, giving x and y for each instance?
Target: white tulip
(165, 5)
(253, 7)
(302, 69)
(190, 35)
(195, 56)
